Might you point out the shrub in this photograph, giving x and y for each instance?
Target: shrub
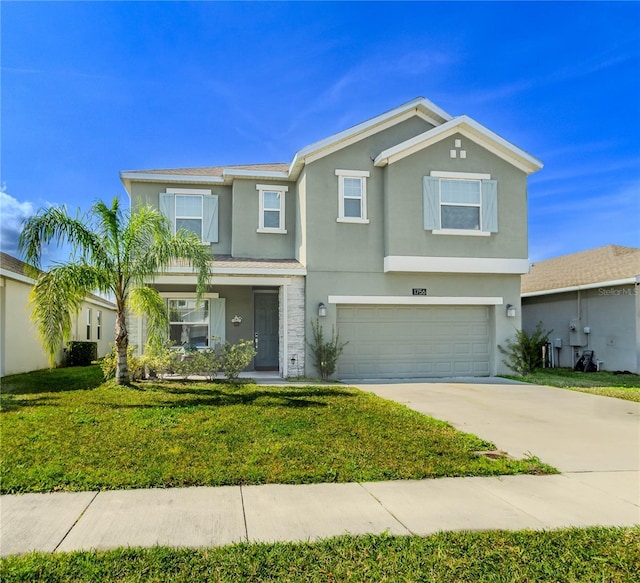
(82, 353)
(524, 353)
(235, 358)
(110, 362)
(325, 354)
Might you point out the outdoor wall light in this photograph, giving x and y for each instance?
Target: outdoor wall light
(322, 310)
(511, 311)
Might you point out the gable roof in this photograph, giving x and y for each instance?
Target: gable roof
(612, 264)
(469, 128)
(444, 125)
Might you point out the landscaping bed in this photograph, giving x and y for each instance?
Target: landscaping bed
(588, 554)
(78, 435)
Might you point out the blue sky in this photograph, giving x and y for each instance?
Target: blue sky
(90, 89)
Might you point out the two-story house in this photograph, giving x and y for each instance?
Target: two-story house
(406, 233)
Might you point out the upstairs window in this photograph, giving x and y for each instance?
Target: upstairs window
(352, 196)
(189, 213)
(192, 209)
(272, 208)
(460, 203)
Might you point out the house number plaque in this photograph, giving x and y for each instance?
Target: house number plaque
(419, 291)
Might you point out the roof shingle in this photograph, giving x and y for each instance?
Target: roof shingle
(609, 263)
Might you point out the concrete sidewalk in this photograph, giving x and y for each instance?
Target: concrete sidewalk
(594, 440)
(204, 517)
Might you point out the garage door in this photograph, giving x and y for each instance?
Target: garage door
(413, 341)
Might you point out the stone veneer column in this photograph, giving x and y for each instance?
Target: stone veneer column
(295, 326)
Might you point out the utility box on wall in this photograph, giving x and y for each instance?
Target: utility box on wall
(577, 336)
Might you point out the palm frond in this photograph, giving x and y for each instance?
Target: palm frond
(55, 224)
(56, 297)
(144, 301)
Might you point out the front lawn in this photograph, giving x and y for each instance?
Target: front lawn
(589, 554)
(608, 384)
(169, 434)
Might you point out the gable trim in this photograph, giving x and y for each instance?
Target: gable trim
(420, 107)
(470, 129)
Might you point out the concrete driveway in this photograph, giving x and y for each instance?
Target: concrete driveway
(574, 432)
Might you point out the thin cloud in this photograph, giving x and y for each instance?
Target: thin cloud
(13, 213)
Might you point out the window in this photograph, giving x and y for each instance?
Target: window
(189, 213)
(272, 207)
(98, 324)
(88, 323)
(189, 323)
(352, 194)
(192, 209)
(460, 203)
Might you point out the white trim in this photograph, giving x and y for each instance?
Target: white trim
(281, 190)
(498, 265)
(222, 280)
(463, 232)
(460, 175)
(149, 177)
(189, 295)
(241, 270)
(470, 129)
(272, 187)
(418, 300)
(194, 191)
(17, 276)
(420, 106)
(353, 173)
(560, 290)
(362, 176)
(355, 220)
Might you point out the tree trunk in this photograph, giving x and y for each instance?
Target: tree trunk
(122, 344)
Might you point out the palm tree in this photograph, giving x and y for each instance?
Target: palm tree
(114, 252)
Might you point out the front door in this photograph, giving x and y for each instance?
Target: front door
(266, 330)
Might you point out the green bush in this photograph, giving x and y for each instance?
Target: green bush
(325, 354)
(524, 352)
(235, 358)
(82, 353)
(110, 361)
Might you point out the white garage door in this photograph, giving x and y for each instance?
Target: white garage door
(413, 341)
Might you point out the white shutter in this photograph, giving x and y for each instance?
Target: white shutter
(490, 206)
(431, 191)
(210, 219)
(168, 208)
(217, 320)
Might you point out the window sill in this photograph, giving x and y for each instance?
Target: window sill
(272, 231)
(352, 220)
(461, 232)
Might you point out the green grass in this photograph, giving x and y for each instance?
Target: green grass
(607, 384)
(609, 555)
(169, 434)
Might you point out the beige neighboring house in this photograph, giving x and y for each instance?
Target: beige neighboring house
(591, 301)
(20, 348)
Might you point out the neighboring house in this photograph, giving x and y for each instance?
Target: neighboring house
(20, 348)
(407, 233)
(591, 302)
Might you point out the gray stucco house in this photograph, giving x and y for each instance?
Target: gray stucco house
(407, 233)
(591, 302)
